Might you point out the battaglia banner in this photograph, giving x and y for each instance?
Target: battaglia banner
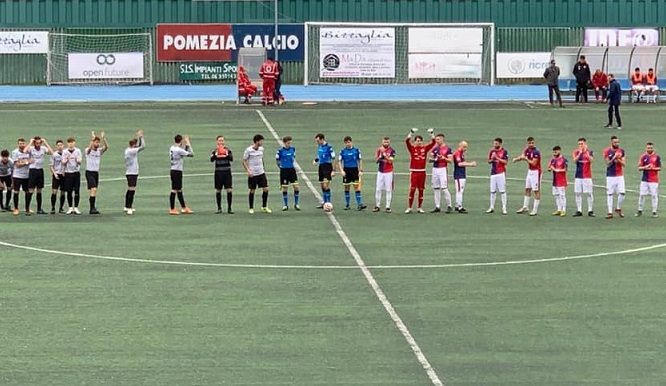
(221, 42)
(24, 42)
(357, 52)
(522, 64)
(613, 37)
(119, 65)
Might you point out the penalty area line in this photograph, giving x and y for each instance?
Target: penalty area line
(397, 320)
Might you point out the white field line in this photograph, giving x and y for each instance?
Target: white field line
(402, 327)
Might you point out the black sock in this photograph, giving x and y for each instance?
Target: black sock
(77, 198)
(54, 198)
(172, 200)
(229, 197)
(181, 199)
(218, 200)
(28, 199)
(92, 202)
(264, 199)
(39, 201)
(8, 199)
(131, 198)
(251, 200)
(62, 200)
(16, 200)
(69, 199)
(128, 204)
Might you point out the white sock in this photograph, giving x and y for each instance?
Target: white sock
(590, 202)
(378, 197)
(493, 198)
(459, 199)
(620, 200)
(447, 197)
(641, 203)
(655, 202)
(610, 203)
(579, 202)
(563, 203)
(526, 201)
(389, 196)
(503, 198)
(536, 205)
(438, 197)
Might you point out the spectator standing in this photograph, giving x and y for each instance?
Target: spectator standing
(583, 78)
(552, 75)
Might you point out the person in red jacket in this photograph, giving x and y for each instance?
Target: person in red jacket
(245, 86)
(268, 73)
(600, 84)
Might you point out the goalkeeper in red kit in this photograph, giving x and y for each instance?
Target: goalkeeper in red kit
(417, 166)
(268, 74)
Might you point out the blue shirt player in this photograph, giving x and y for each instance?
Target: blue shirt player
(285, 159)
(325, 158)
(350, 164)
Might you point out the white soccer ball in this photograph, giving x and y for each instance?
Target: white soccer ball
(328, 207)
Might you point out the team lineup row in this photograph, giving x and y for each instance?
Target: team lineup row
(24, 171)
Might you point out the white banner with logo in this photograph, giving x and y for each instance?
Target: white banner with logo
(119, 65)
(24, 42)
(522, 64)
(445, 52)
(357, 52)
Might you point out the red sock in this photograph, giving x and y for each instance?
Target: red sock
(420, 198)
(411, 196)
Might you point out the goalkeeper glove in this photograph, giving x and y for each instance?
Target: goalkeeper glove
(413, 130)
(431, 130)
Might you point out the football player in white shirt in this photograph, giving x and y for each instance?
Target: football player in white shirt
(253, 162)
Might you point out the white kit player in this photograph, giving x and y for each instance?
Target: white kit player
(440, 156)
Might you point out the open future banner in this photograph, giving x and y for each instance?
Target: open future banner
(621, 37)
(221, 42)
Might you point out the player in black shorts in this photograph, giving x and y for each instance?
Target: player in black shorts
(325, 158)
(223, 157)
(285, 158)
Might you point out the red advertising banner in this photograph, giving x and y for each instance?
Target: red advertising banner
(194, 42)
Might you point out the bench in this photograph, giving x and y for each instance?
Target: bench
(257, 83)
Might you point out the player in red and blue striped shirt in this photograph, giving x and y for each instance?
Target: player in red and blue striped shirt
(615, 161)
(650, 164)
(583, 157)
(559, 165)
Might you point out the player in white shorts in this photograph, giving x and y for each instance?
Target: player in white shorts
(615, 162)
(650, 164)
(440, 156)
(498, 157)
(583, 157)
(384, 156)
(532, 155)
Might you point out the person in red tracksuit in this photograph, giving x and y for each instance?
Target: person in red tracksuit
(600, 84)
(268, 74)
(245, 86)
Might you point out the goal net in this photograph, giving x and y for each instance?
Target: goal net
(99, 59)
(390, 53)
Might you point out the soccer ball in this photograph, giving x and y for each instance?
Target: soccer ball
(328, 207)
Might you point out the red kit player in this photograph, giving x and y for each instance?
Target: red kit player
(417, 166)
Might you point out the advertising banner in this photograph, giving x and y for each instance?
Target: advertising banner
(622, 37)
(119, 65)
(445, 40)
(24, 42)
(221, 42)
(357, 52)
(442, 66)
(207, 71)
(522, 64)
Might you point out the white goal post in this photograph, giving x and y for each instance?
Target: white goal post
(399, 53)
(99, 59)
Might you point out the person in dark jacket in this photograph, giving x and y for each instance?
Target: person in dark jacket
(552, 75)
(614, 98)
(279, 99)
(583, 77)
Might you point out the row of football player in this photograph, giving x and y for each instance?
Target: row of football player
(349, 165)
(23, 170)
